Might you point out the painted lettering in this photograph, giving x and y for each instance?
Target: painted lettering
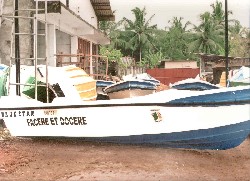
(17, 114)
(73, 120)
(38, 122)
(53, 121)
(50, 112)
(57, 120)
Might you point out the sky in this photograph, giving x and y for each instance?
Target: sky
(190, 10)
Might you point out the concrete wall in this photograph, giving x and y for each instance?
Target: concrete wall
(58, 41)
(5, 33)
(63, 44)
(181, 64)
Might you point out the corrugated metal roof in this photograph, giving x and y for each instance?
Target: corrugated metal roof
(103, 10)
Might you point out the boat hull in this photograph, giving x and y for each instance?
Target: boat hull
(194, 139)
(179, 127)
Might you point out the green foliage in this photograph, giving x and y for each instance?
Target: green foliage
(176, 36)
(140, 40)
(113, 31)
(152, 60)
(209, 35)
(114, 58)
(139, 32)
(239, 41)
(112, 54)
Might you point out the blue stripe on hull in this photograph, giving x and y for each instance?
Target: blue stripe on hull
(195, 86)
(221, 97)
(221, 138)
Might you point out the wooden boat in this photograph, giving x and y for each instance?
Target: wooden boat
(143, 76)
(101, 85)
(130, 88)
(209, 119)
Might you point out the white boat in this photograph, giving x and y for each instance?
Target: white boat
(241, 77)
(3, 79)
(209, 119)
(193, 84)
(68, 81)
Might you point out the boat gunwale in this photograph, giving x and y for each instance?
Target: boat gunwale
(165, 104)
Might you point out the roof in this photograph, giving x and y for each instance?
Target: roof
(103, 10)
(219, 60)
(177, 61)
(68, 21)
(213, 58)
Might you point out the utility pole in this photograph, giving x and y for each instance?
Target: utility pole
(17, 49)
(226, 42)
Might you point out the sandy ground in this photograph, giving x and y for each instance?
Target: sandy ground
(27, 159)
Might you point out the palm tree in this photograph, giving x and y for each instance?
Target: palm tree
(140, 31)
(177, 41)
(208, 36)
(218, 13)
(113, 31)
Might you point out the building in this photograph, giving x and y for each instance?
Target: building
(214, 65)
(72, 28)
(168, 64)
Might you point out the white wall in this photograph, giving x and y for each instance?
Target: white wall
(85, 10)
(180, 64)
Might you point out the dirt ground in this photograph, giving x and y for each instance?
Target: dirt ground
(27, 159)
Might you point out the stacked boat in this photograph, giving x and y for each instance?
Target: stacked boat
(132, 86)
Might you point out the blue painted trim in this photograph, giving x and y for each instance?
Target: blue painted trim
(156, 82)
(224, 137)
(100, 83)
(128, 85)
(195, 86)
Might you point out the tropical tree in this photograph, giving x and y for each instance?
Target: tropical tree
(114, 58)
(113, 30)
(152, 60)
(177, 40)
(208, 36)
(239, 40)
(218, 14)
(139, 31)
